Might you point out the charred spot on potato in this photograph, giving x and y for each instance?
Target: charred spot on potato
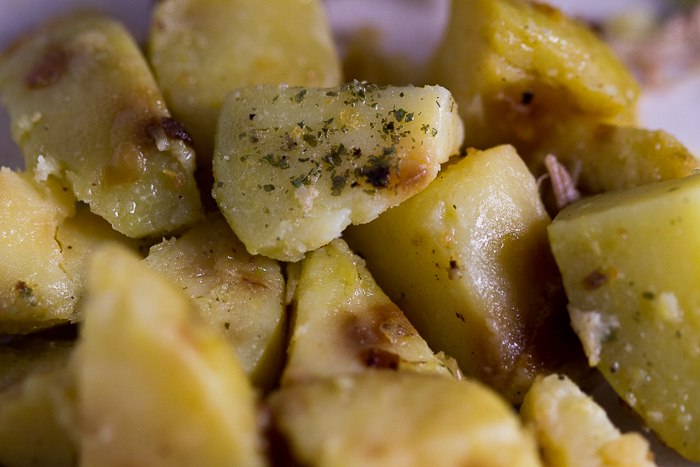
(454, 272)
(49, 70)
(173, 129)
(23, 290)
(594, 280)
(527, 97)
(380, 359)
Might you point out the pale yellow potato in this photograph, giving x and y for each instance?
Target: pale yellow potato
(295, 166)
(574, 431)
(468, 261)
(155, 385)
(606, 157)
(630, 262)
(239, 294)
(86, 110)
(384, 419)
(517, 68)
(202, 49)
(342, 323)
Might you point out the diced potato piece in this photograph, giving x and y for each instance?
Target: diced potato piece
(31, 432)
(295, 166)
(574, 431)
(468, 261)
(86, 110)
(517, 68)
(240, 295)
(607, 157)
(400, 419)
(201, 49)
(631, 263)
(156, 386)
(44, 253)
(343, 323)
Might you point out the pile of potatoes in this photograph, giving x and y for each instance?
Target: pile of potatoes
(230, 251)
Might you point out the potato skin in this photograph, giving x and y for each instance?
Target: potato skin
(468, 261)
(202, 49)
(86, 110)
(630, 262)
(295, 166)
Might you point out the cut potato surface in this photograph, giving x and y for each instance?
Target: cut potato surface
(239, 294)
(631, 263)
(86, 110)
(201, 49)
(574, 431)
(343, 323)
(518, 68)
(155, 385)
(387, 419)
(295, 166)
(468, 261)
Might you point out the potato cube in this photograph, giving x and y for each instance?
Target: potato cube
(468, 261)
(85, 109)
(343, 323)
(517, 68)
(156, 385)
(202, 49)
(240, 295)
(295, 166)
(574, 431)
(631, 263)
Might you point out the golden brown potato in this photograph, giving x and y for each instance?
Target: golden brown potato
(517, 68)
(344, 324)
(156, 386)
(630, 262)
(295, 166)
(468, 261)
(239, 294)
(202, 49)
(86, 110)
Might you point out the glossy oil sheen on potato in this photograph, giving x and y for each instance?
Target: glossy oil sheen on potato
(156, 385)
(86, 109)
(631, 262)
(344, 324)
(239, 294)
(574, 431)
(201, 49)
(381, 419)
(295, 166)
(517, 68)
(468, 261)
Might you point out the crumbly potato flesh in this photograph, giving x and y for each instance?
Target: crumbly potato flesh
(295, 166)
(155, 385)
(343, 323)
(605, 157)
(400, 419)
(630, 262)
(86, 110)
(263, 41)
(574, 431)
(517, 68)
(239, 294)
(468, 261)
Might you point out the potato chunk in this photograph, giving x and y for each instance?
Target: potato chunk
(517, 68)
(295, 166)
(156, 386)
(86, 110)
(574, 431)
(468, 261)
(201, 49)
(631, 263)
(240, 295)
(344, 324)
(382, 419)
(606, 157)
